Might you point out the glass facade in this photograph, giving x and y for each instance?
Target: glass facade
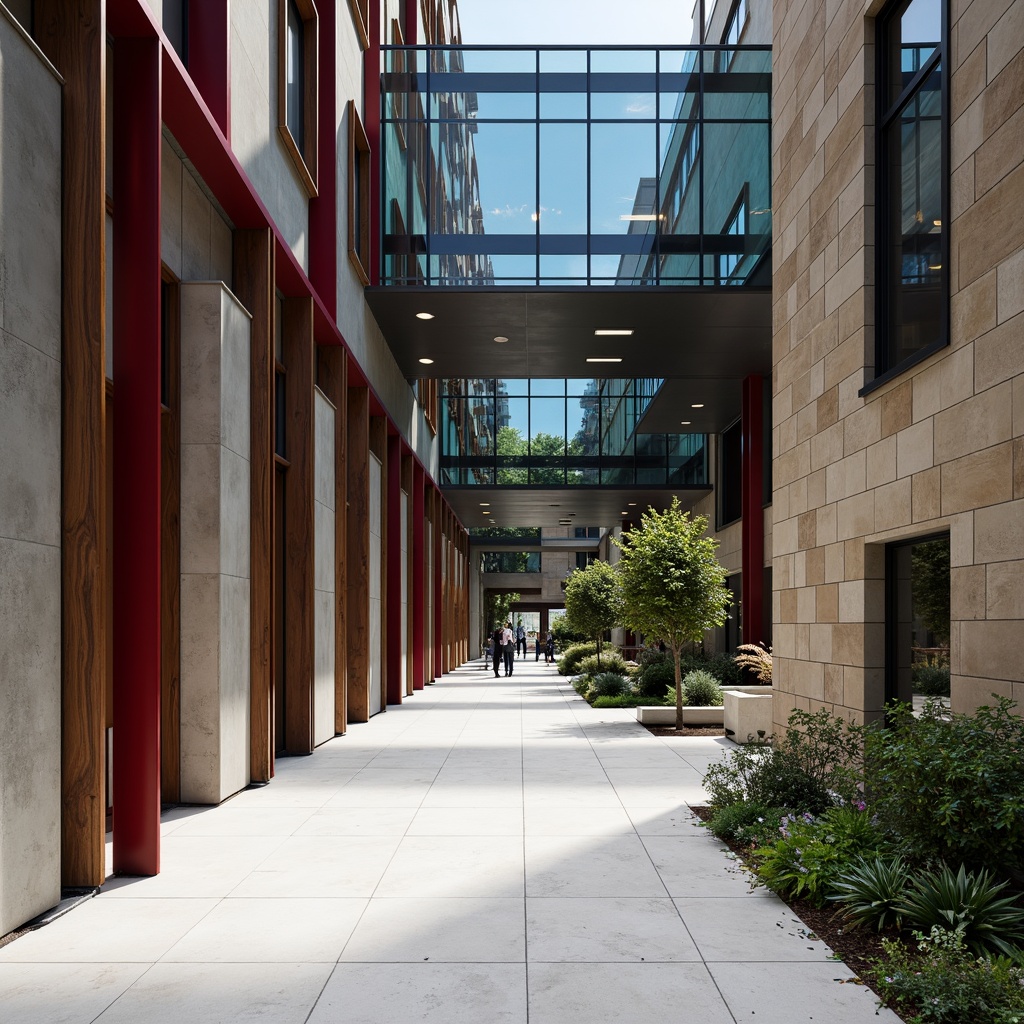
(575, 167)
(560, 432)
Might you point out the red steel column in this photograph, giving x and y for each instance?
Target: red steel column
(419, 557)
(412, 20)
(136, 484)
(209, 58)
(435, 497)
(395, 682)
(752, 492)
(371, 125)
(323, 208)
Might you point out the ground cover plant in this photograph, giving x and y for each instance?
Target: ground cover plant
(911, 832)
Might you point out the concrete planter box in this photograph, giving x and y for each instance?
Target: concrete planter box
(715, 715)
(747, 715)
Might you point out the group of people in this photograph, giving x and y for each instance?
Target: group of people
(507, 643)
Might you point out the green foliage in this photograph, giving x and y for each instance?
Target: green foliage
(943, 983)
(608, 684)
(627, 700)
(592, 601)
(570, 658)
(564, 635)
(498, 608)
(748, 824)
(581, 684)
(650, 654)
(812, 767)
(871, 890)
(931, 680)
(929, 576)
(702, 690)
(813, 852)
(966, 903)
(653, 679)
(951, 786)
(611, 661)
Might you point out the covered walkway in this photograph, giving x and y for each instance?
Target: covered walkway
(491, 851)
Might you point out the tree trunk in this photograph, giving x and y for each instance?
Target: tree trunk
(598, 641)
(679, 689)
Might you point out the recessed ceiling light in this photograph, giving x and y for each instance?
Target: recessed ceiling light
(625, 513)
(685, 423)
(697, 405)
(501, 339)
(426, 362)
(485, 513)
(484, 504)
(604, 359)
(632, 504)
(424, 316)
(565, 522)
(616, 332)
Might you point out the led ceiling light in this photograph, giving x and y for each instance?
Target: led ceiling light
(501, 339)
(484, 504)
(623, 332)
(631, 504)
(685, 423)
(424, 316)
(697, 405)
(604, 359)
(426, 362)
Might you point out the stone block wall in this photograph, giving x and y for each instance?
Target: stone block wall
(941, 446)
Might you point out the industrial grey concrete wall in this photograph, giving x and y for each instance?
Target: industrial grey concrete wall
(30, 419)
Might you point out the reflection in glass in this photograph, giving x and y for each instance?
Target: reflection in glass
(914, 36)
(563, 180)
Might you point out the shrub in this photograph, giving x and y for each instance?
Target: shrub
(626, 700)
(967, 904)
(931, 680)
(944, 984)
(949, 786)
(569, 660)
(611, 661)
(757, 658)
(702, 690)
(581, 684)
(813, 767)
(608, 684)
(870, 891)
(653, 678)
(748, 824)
(649, 655)
(813, 852)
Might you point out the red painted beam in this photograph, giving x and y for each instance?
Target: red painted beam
(412, 22)
(439, 517)
(137, 447)
(752, 496)
(209, 58)
(323, 209)
(394, 677)
(417, 603)
(371, 125)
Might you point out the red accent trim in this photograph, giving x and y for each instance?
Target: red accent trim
(419, 557)
(412, 22)
(371, 125)
(438, 589)
(137, 145)
(394, 678)
(209, 57)
(752, 473)
(323, 210)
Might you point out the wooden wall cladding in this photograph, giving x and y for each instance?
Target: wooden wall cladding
(357, 547)
(299, 353)
(410, 595)
(379, 447)
(254, 286)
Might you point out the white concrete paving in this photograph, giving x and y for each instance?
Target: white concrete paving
(492, 851)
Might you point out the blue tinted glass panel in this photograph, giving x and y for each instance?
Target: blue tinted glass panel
(563, 181)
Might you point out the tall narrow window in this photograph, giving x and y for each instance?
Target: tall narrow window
(730, 474)
(735, 230)
(297, 86)
(912, 169)
(175, 25)
(358, 195)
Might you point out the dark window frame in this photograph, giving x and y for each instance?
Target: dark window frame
(887, 111)
(724, 493)
(359, 177)
(179, 38)
(303, 150)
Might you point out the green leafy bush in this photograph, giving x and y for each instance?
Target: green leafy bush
(570, 658)
(931, 680)
(611, 661)
(581, 684)
(626, 700)
(813, 852)
(653, 678)
(814, 766)
(870, 891)
(649, 655)
(968, 904)
(951, 786)
(748, 824)
(608, 684)
(943, 983)
(702, 690)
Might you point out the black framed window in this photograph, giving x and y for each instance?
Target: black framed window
(295, 75)
(732, 34)
(730, 474)
(175, 25)
(912, 185)
(735, 228)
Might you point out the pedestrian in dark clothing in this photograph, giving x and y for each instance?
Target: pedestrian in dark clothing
(496, 649)
(520, 639)
(549, 649)
(537, 645)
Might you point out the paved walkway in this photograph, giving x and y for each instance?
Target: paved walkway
(491, 852)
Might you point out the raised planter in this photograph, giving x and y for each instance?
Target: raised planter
(748, 715)
(714, 715)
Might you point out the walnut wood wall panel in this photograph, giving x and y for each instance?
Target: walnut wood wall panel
(299, 358)
(437, 639)
(357, 546)
(254, 286)
(332, 374)
(170, 556)
(394, 680)
(417, 578)
(379, 447)
(410, 594)
(75, 42)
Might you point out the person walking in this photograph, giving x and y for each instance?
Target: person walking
(549, 648)
(496, 648)
(508, 647)
(520, 640)
(538, 643)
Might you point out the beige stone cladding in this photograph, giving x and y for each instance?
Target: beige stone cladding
(939, 447)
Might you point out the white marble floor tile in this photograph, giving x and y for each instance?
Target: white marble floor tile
(455, 866)
(425, 993)
(698, 866)
(608, 930)
(245, 821)
(357, 821)
(654, 821)
(467, 821)
(577, 821)
(61, 993)
(589, 866)
(440, 930)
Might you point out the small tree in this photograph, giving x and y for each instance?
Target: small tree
(672, 585)
(592, 602)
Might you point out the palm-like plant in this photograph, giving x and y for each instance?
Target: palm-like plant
(871, 890)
